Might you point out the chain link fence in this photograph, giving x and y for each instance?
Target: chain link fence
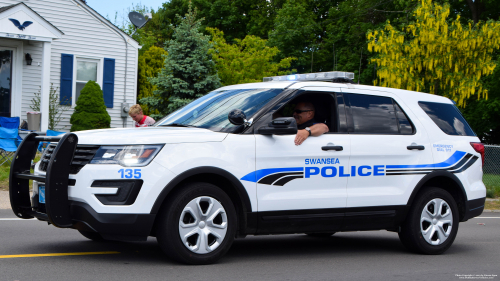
(491, 170)
(491, 176)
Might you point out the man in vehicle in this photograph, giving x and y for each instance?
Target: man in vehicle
(307, 126)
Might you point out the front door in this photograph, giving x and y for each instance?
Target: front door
(301, 188)
(5, 82)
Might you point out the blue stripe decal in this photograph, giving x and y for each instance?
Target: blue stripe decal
(451, 161)
(257, 175)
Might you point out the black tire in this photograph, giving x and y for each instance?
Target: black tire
(168, 224)
(411, 234)
(321, 234)
(91, 235)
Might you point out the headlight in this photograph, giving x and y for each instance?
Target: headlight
(126, 155)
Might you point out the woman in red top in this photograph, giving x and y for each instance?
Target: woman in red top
(140, 119)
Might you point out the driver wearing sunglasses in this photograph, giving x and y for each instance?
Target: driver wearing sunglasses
(306, 125)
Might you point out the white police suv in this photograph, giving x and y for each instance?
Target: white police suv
(226, 166)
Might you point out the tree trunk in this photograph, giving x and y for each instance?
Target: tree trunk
(436, 86)
(475, 9)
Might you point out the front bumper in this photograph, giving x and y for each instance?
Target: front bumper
(121, 227)
(59, 209)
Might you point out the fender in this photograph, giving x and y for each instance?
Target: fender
(240, 189)
(432, 175)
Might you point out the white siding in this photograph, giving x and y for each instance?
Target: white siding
(84, 35)
(32, 76)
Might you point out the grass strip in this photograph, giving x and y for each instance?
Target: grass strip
(492, 205)
(5, 171)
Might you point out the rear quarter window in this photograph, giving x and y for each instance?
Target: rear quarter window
(447, 117)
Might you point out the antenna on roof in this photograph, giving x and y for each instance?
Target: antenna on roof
(138, 20)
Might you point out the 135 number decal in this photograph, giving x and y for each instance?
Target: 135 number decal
(130, 173)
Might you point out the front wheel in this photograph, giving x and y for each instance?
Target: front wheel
(432, 223)
(197, 224)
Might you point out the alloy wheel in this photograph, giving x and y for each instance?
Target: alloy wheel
(203, 225)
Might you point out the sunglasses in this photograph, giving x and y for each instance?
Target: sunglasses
(298, 111)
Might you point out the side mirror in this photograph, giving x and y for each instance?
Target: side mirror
(280, 126)
(238, 117)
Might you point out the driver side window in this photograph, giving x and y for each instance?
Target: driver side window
(323, 103)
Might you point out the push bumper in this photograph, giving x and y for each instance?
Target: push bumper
(59, 210)
(56, 179)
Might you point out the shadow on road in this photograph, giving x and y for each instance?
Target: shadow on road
(263, 248)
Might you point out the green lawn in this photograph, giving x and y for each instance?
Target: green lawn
(492, 183)
(4, 174)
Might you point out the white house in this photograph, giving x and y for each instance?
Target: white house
(69, 43)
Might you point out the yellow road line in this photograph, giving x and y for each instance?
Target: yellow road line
(57, 254)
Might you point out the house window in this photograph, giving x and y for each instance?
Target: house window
(86, 70)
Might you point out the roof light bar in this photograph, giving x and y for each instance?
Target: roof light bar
(318, 76)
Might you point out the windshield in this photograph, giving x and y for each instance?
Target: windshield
(210, 111)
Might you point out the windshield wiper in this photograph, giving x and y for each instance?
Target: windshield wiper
(178, 125)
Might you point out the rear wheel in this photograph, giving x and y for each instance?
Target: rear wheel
(432, 224)
(91, 235)
(197, 224)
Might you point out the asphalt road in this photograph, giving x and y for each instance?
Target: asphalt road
(372, 255)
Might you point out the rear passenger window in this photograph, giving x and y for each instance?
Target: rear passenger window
(447, 118)
(405, 126)
(372, 114)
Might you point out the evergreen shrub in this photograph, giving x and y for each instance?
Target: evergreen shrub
(188, 71)
(90, 111)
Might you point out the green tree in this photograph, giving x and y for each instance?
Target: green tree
(150, 64)
(295, 33)
(344, 43)
(245, 61)
(432, 55)
(476, 10)
(155, 33)
(189, 71)
(484, 115)
(328, 35)
(90, 112)
(236, 18)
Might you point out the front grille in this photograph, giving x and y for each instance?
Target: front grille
(83, 155)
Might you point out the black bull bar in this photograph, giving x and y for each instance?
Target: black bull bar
(56, 179)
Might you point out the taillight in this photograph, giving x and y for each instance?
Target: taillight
(479, 148)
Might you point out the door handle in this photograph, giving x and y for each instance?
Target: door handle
(332, 147)
(416, 147)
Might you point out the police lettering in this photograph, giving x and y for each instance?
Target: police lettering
(341, 171)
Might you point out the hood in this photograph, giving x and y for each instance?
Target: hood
(149, 135)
